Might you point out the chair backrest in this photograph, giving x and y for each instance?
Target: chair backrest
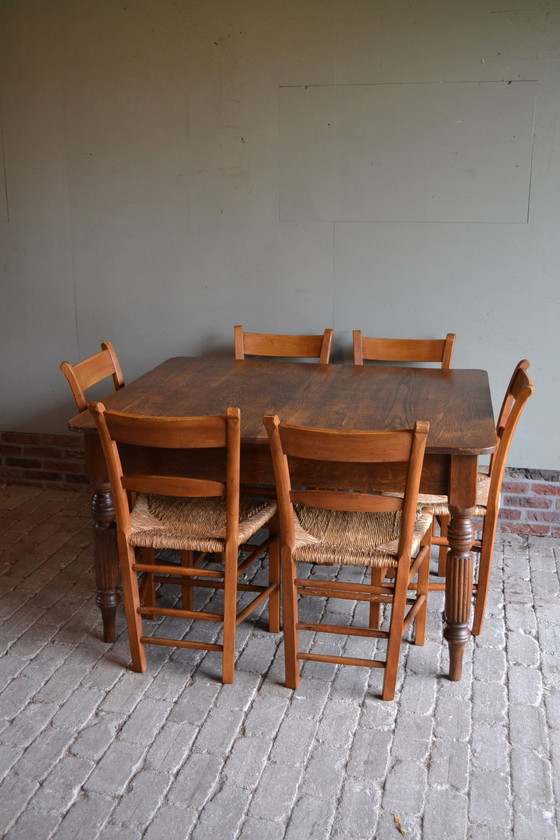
(286, 346)
(141, 457)
(92, 370)
(403, 349)
(319, 450)
(518, 392)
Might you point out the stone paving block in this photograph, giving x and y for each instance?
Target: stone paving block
(308, 699)
(276, 793)
(145, 721)
(531, 777)
(46, 750)
(95, 738)
(255, 829)
(247, 761)
(142, 798)
(489, 799)
(405, 788)
(222, 815)
(86, 817)
(171, 747)
(28, 724)
(521, 617)
(531, 820)
(452, 719)
(449, 765)
(525, 685)
(126, 693)
(17, 695)
(258, 654)
(265, 715)
(219, 731)
(489, 703)
(78, 709)
(550, 666)
(194, 704)
(413, 737)
(446, 815)
(490, 747)
(324, 773)
(62, 785)
(358, 808)
(116, 768)
(240, 693)
(310, 818)
(522, 649)
(171, 822)
(339, 723)
(195, 781)
(15, 793)
(33, 824)
(489, 664)
(527, 725)
(120, 832)
(294, 740)
(9, 755)
(376, 715)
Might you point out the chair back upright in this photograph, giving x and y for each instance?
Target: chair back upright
(518, 392)
(150, 445)
(281, 345)
(402, 350)
(92, 370)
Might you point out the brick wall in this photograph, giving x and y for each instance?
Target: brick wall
(530, 498)
(38, 459)
(531, 502)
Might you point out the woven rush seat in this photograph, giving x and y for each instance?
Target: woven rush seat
(192, 524)
(439, 505)
(355, 538)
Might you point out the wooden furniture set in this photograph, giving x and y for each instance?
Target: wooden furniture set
(169, 457)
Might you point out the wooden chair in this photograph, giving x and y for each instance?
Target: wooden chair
(88, 372)
(403, 349)
(489, 490)
(286, 346)
(160, 506)
(325, 526)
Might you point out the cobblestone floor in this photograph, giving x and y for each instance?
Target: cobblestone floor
(90, 749)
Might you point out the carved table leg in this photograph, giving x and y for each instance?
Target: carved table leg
(104, 537)
(459, 573)
(458, 592)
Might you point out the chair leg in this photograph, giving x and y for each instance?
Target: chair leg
(443, 549)
(131, 597)
(377, 577)
(230, 616)
(290, 618)
(148, 588)
(422, 589)
(398, 608)
(274, 578)
(187, 591)
(484, 570)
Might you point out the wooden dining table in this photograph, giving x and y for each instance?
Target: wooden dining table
(457, 403)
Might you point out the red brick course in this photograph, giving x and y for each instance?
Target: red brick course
(530, 498)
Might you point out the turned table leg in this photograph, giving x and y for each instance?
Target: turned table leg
(104, 537)
(459, 574)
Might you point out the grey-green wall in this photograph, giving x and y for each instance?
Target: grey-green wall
(175, 167)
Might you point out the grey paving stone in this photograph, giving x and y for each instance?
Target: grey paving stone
(62, 785)
(15, 793)
(449, 765)
(255, 829)
(452, 719)
(171, 822)
(87, 815)
(116, 768)
(195, 781)
(358, 807)
(28, 724)
(525, 685)
(46, 750)
(531, 820)
(339, 722)
(247, 760)
(142, 798)
(95, 738)
(222, 815)
(265, 715)
(413, 737)
(324, 773)
(276, 793)
(310, 818)
(294, 740)
(195, 703)
(489, 799)
(405, 788)
(33, 824)
(531, 776)
(171, 747)
(490, 747)
(219, 731)
(446, 815)
(145, 721)
(489, 703)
